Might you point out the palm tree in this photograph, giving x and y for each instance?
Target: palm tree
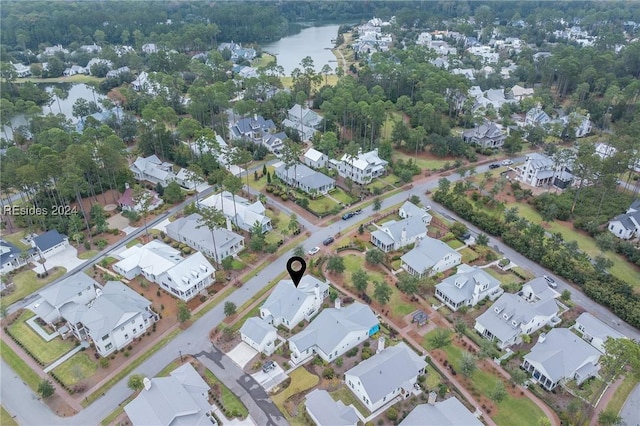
(233, 184)
(211, 218)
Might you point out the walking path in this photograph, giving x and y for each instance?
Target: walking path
(602, 403)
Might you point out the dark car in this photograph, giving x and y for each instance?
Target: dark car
(328, 241)
(348, 215)
(268, 366)
(465, 236)
(494, 166)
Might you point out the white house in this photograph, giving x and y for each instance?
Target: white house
(252, 128)
(288, 305)
(408, 209)
(429, 256)
(512, 316)
(627, 226)
(127, 203)
(74, 70)
(186, 179)
(537, 170)
(141, 82)
(393, 235)
(239, 210)
(180, 399)
(519, 93)
(595, 331)
(303, 120)
(363, 168)
(163, 265)
(315, 159)
(21, 70)
(389, 374)
(76, 289)
(113, 320)
(259, 334)
(50, 243)
(189, 230)
(300, 176)
(466, 288)
(333, 332)
(560, 356)
(325, 411)
(536, 117)
(11, 257)
(149, 48)
(117, 72)
(450, 412)
(153, 170)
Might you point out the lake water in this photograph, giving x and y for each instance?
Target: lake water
(75, 92)
(314, 42)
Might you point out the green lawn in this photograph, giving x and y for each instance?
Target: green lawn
(621, 268)
(622, 393)
(237, 265)
(264, 60)
(301, 380)
(133, 242)
(433, 378)
(168, 369)
(342, 196)
(424, 164)
(387, 127)
(468, 255)
(322, 205)
(75, 369)
(261, 183)
(507, 278)
(391, 179)
(454, 244)
(46, 352)
(15, 240)
(18, 365)
(6, 419)
(88, 254)
(348, 398)
(26, 282)
(232, 403)
(523, 272)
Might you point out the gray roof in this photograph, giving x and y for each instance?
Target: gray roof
(516, 309)
(561, 354)
(48, 239)
(256, 329)
(412, 210)
(329, 412)
(427, 252)
(627, 220)
(413, 225)
(190, 228)
(180, 399)
(596, 328)
(286, 299)
(388, 370)
(332, 325)
(459, 287)
(117, 305)
(8, 252)
(449, 412)
(541, 289)
(304, 175)
(252, 124)
(62, 291)
(539, 161)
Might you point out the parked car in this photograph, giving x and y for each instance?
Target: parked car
(465, 236)
(494, 166)
(313, 251)
(268, 366)
(551, 282)
(348, 215)
(328, 241)
(357, 211)
(427, 208)
(506, 162)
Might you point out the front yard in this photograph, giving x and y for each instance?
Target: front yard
(75, 369)
(231, 403)
(27, 282)
(301, 381)
(45, 352)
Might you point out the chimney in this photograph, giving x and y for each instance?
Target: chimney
(255, 117)
(403, 236)
(316, 291)
(147, 383)
(126, 185)
(229, 228)
(542, 338)
(337, 303)
(380, 344)
(432, 398)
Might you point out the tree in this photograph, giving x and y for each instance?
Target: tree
(467, 364)
(565, 296)
(458, 229)
(482, 240)
(374, 256)
(98, 217)
(408, 284)
(518, 376)
(45, 388)
(173, 193)
(499, 393)
(487, 349)
(618, 354)
(360, 280)
(142, 200)
(460, 327)
(377, 204)
(335, 264)
(299, 251)
(233, 184)
(229, 308)
(609, 418)
(441, 338)
(211, 218)
(293, 222)
(183, 312)
(382, 292)
(136, 382)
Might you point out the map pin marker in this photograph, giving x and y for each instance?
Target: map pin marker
(296, 276)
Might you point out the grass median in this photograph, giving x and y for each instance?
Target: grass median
(17, 364)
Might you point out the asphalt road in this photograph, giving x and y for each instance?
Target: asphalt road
(630, 412)
(18, 399)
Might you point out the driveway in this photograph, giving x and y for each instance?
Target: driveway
(271, 379)
(242, 354)
(117, 221)
(67, 258)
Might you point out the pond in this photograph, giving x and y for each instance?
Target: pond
(313, 41)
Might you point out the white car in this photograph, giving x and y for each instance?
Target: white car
(313, 251)
(506, 162)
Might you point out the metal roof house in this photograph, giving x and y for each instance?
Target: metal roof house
(325, 411)
(301, 176)
(561, 356)
(389, 374)
(239, 210)
(466, 288)
(180, 399)
(595, 331)
(429, 257)
(393, 235)
(259, 334)
(449, 412)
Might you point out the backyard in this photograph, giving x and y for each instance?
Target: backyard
(301, 381)
(348, 398)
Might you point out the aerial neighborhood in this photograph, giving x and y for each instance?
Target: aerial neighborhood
(459, 183)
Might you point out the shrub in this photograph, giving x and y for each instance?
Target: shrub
(328, 373)
(392, 414)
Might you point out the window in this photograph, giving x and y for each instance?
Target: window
(109, 346)
(105, 337)
(126, 336)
